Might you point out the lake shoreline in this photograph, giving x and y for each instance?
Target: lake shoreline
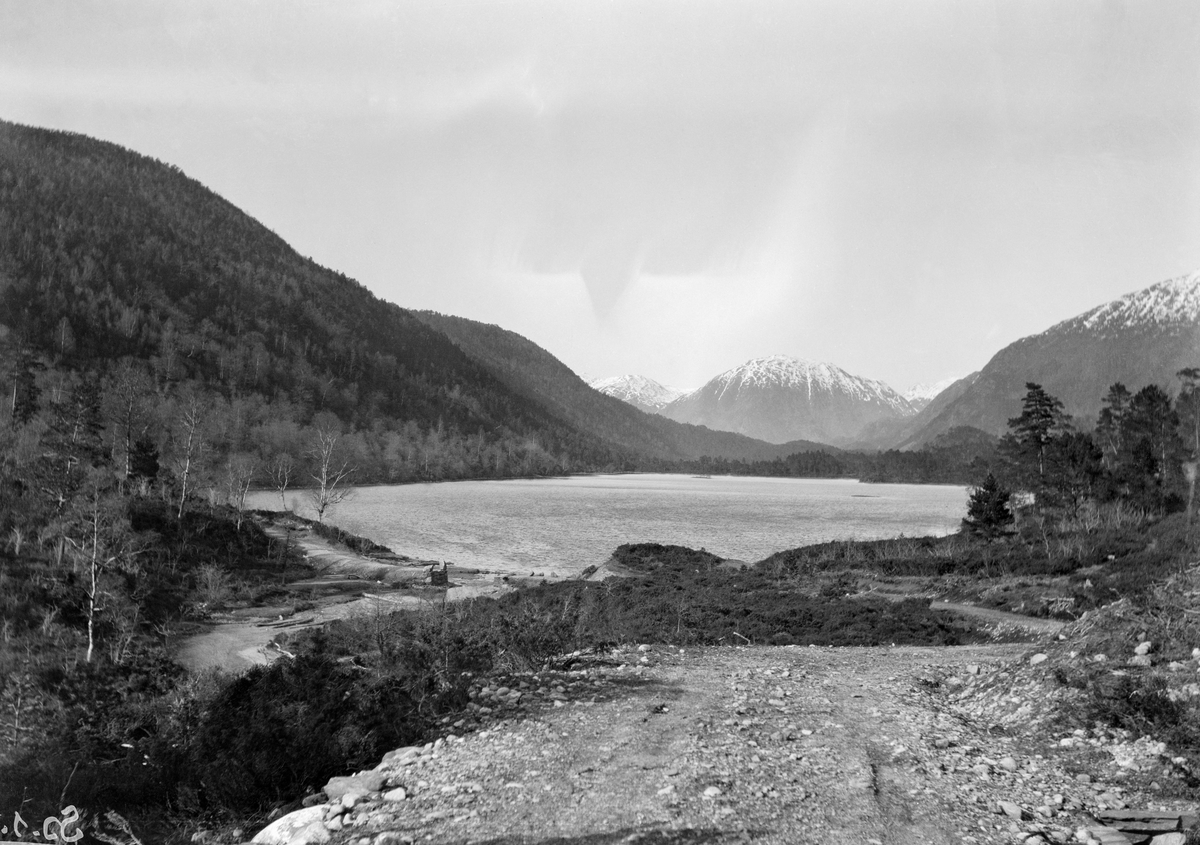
(682, 474)
(560, 525)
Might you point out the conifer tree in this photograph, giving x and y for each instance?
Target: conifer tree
(1150, 468)
(988, 511)
(1032, 435)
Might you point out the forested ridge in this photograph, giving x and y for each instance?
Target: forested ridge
(111, 259)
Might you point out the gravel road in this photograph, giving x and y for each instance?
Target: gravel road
(772, 745)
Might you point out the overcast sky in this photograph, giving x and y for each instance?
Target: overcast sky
(671, 188)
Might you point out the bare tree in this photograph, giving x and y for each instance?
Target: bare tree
(100, 549)
(190, 444)
(281, 469)
(331, 473)
(239, 474)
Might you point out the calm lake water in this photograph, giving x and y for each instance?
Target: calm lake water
(562, 525)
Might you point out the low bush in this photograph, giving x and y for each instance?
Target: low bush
(647, 557)
(277, 731)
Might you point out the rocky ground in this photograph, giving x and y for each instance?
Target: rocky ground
(772, 745)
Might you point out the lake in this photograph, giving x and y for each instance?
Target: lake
(562, 525)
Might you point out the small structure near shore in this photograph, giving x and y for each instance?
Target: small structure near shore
(439, 577)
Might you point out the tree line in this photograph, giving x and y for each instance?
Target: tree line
(1142, 452)
(959, 456)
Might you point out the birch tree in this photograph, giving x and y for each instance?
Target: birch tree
(330, 471)
(99, 550)
(189, 444)
(281, 469)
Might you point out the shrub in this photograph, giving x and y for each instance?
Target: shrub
(278, 730)
(648, 557)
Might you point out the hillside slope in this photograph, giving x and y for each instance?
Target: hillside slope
(108, 255)
(1142, 338)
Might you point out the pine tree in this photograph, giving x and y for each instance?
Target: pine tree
(988, 512)
(1150, 470)
(1031, 438)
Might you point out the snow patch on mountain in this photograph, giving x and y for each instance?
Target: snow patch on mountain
(813, 378)
(639, 391)
(1173, 302)
(920, 395)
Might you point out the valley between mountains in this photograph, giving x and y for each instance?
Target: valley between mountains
(163, 353)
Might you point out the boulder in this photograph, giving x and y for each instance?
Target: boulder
(303, 827)
(1109, 836)
(1169, 839)
(364, 783)
(1011, 810)
(400, 754)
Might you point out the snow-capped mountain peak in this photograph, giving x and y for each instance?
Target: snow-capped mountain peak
(785, 371)
(780, 398)
(920, 395)
(639, 391)
(1173, 302)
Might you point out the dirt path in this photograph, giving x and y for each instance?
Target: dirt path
(772, 745)
(991, 616)
(355, 585)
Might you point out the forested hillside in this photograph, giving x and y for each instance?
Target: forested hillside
(121, 267)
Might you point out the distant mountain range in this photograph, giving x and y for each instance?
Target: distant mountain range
(1142, 338)
(641, 392)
